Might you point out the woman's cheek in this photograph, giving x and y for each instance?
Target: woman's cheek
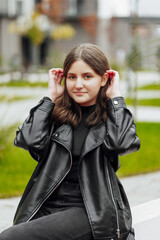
(69, 87)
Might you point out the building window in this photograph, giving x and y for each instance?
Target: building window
(19, 7)
(4, 7)
(10, 8)
(71, 8)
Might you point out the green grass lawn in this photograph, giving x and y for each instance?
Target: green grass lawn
(147, 159)
(16, 165)
(5, 98)
(155, 102)
(155, 86)
(23, 83)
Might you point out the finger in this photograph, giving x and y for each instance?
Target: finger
(52, 72)
(59, 73)
(52, 69)
(55, 70)
(60, 69)
(110, 70)
(60, 78)
(106, 74)
(111, 73)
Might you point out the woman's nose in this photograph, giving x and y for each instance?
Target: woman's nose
(79, 83)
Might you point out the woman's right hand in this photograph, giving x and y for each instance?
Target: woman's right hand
(55, 89)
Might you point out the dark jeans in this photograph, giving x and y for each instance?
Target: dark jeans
(68, 224)
(57, 220)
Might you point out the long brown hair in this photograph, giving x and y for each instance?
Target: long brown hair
(66, 109)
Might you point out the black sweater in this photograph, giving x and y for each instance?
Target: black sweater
(79, 135)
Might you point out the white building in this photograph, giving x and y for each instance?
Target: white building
(9, 44)
(114, 35)
(13, 47)
(10, 50)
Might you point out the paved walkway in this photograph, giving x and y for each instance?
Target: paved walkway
(139, 189)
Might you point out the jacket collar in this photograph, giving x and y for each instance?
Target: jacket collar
(64, 135)
(95, 136)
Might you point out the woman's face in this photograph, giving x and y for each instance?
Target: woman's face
(83, 84)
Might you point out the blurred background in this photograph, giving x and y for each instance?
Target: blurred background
(36, 35)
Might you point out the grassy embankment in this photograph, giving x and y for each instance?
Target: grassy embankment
(16, 165)
(5, 98)
(23, 83)
(147, 102)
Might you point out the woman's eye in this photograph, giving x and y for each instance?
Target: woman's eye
(88, 76)
(71, 77)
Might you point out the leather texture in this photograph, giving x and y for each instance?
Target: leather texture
(131, 235)
(104, 198)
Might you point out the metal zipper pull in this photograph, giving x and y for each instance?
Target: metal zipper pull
(118, 233)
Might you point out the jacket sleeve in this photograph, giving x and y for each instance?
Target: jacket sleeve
(121, 128)
(34, 134)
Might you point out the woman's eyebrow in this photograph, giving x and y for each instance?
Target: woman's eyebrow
(71, 73)
(84, 73)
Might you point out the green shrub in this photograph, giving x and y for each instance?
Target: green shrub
(147, 158)
(16, 165)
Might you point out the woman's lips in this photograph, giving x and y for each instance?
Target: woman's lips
(79, 93)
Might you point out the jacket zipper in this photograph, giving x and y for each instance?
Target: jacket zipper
(110, 186)
(81, 184)
(117, 217)
(36, 210)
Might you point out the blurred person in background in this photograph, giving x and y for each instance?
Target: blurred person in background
(76, 133)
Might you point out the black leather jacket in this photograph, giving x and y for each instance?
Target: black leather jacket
(103, 195)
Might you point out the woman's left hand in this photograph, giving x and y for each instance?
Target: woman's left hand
(113, 89)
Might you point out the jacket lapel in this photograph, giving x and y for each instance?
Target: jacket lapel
(95, 137)
(64, 135)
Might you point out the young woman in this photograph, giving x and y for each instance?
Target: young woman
(76, 133)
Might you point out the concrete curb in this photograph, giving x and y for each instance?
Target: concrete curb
(146, 220)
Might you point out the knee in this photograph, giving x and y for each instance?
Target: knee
(3, 235)
(7, 234)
